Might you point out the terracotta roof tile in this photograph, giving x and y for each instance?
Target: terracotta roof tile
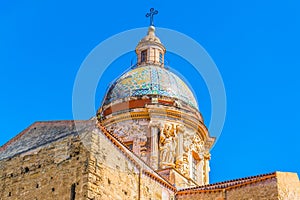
(228, 184)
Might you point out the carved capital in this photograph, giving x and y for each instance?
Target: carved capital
(180, 129)
(207, 155)
(155, 124)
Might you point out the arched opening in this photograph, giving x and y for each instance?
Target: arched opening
(144, 56)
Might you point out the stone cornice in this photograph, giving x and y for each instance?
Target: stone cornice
(158, 114)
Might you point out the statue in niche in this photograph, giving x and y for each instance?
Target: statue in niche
(167, 145)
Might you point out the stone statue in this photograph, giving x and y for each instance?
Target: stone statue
(167, 145)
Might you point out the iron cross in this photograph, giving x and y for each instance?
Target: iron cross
(152, 12)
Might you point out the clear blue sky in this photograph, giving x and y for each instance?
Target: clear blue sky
(255, 45)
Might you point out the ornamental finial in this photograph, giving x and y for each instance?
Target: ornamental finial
(151, 14)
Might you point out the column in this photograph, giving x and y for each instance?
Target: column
(179, 148)
(154, 128)
(201, 170)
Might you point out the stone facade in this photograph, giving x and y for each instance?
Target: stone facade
(87, 162)
(84, 165)
(166, 144)
(116, 173)
(55, 171)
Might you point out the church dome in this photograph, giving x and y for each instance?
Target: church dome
(150, 80)
(155, 114)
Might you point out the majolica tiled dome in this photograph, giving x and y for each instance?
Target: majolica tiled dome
(150, 80)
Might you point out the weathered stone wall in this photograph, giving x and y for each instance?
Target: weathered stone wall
(153, 190)
(85, 166)
(216, 195)
(55, 171)
(176, 179)
(106, 182)
(88, 166)
(111, 174)
(116, 174)
(266, 189)
(94, 165)
(288, 186)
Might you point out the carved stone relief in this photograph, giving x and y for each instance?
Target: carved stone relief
(167, 145)
(182, 165)
(135, 131)
(170, 143)
(129, 130)
(197, 144)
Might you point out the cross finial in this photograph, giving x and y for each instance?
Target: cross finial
(150, 14)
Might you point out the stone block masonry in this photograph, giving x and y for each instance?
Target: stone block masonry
(86, 165)
(56, 171)
(54, 161)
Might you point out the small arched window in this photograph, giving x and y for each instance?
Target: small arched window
(144, 56)
(160, 57)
